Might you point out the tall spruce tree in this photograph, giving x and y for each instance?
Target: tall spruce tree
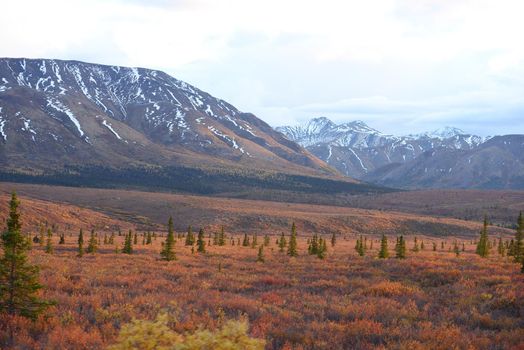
(383, 253)
(201, 243)
(482, 245)
(168, 252)
(292, 247)
(333, 239)
(190, 237)
(18, 279)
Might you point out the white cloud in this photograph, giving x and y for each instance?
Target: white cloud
(282, 58)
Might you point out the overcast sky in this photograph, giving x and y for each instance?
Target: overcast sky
(401, 66)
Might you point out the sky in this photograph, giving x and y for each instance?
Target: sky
(401, 66)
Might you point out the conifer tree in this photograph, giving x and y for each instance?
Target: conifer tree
(201, 244)
(266, 240)
(383, 253)
(482, 246)
(222, 237)
(245, 242)
(49, 243)
(92, 245)
(112, 238)
(422, 245)
(190, 238)
(148, 238)
(81, 243)
(292, 247)
(333, 239)
(260, 257)
(135, 239)
(255, 241)
(168, 252)
(282, 243)
(128, 243)
(519, 240)
(359, 246)
(456, 249)
(400, 248)
(18, 279)
(434, 246)
(322, 248)
(62, 239)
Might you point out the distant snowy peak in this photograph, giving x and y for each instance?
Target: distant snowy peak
(355, 149)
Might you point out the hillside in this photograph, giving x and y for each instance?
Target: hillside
(75, 123)
(444, 158)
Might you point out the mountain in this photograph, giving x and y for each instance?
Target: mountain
(497, 163)
(357, 150)
(71, 122)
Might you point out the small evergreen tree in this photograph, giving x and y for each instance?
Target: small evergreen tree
(49, 243)
(41, 235)
(201, 244)
(415, 246)
(383, 253)
(18, 279)
(333, 239)
(255, 241)
(260, 257)
(245, 242)
(519, 240)
(434, 246)
(168, 252)
(456, 249)
(62, 239)
(400, 248)
(482, 246)
(222, 237)
(92, 245)
(282, 243)
(81, 243)
(501, 249)
(266, 240)
(292, 247)
(322, 248)
(128, 243)
(190, 238)
(359, 246)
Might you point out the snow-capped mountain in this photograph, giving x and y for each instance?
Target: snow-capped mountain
(356, 149)
(75, 123)
(56, 112)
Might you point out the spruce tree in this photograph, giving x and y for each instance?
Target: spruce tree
(322, 248)
(190, 238)
(255, 241)
(292, 247)
(128, 243)
(92, 245)
(501, 249)
(148, 238)
(383, 253)
(62, 239)
(245, 242)
(135, 240)
(260, 257)
(81, 243)
(201, 244)
(415, 245)
(519, 240)
(456, 249)
(482, 246)
(41, 236)
(168, 252)
(266, 240)
(18, 279)
(400, 248)
(49, 243)
(282, 243)
(333, 239)
(359, 246)
(222, 237)
(434, 246)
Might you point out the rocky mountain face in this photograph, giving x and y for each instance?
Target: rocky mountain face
(75, 123)
(61, 112)
(443, 158)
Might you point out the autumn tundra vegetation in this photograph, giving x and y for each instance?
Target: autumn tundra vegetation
(127, 289)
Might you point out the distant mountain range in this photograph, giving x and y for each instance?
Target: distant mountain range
(445, 158)
(78, 123)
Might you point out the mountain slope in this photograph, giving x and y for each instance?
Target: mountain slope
(75, 123)
(497, 163)
(356, 150)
